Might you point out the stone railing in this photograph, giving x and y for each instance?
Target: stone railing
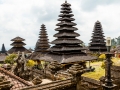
(55, 85)
(115, 72)
(90, 84)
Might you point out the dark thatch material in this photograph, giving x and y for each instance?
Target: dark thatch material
(67, 58)
(66, 43)
(42, 44)
(66, 34)
(66, 23)
(18, 39)
(65, 14)
(18, 43)
(69, 41)
(16, 49)
(3, 50)
(66, 48)
(98, 41)
(66, 28)
(18, 46)
(65, 18)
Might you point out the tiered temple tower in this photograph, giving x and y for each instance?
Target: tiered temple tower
(42, 44)
(3, 50)
(66, 45)
(98, 43)
(18, 45)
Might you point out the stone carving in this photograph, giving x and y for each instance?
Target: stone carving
(21, 70)
(76, 70)
(54, 67)
(37, 80)
(4, 84)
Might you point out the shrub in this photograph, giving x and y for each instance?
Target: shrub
(10, 59)
(102, 57)
(30, 63)
(103, 65)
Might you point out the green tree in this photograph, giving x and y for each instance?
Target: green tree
(10, 58)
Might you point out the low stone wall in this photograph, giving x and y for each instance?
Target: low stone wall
(90, 84)
(115, 72)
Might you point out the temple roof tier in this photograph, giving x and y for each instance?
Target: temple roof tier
(66, 28)
(66, 18)
(66, 15)
(66, 23)
(17, 39)
(63, 41)
(74, 34)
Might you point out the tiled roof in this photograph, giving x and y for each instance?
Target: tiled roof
(15, 80)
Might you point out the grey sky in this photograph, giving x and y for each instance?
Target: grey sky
(24, 17)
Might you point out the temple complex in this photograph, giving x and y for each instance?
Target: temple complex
(42, 44)
(97, 43)
(18, 45)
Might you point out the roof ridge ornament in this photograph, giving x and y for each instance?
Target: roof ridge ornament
(65, 1)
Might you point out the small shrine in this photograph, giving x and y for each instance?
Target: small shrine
(18, 45)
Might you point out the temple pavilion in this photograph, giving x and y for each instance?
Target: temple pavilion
(18, 45)
(42, 44)
(98, 43)
(66, 47)
(3, 50)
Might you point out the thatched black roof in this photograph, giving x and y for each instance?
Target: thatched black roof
(42, 44)
(3, 50)
(66, 28)
(66, 43)
(16, 49)
(18, 46)
(67, 58)
(17, 39)
(98, 41)
(74, 34)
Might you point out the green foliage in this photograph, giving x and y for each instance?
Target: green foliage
(30, 63)
(103, 65)
(101, 57)
(10, 59)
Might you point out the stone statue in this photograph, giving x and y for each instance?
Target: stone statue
(21, 70)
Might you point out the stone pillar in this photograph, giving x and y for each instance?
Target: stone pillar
(76, 70)
(108, 81)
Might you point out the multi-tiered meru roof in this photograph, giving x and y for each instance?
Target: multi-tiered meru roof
(66, 45)
(66, 42)
(97, 43)
(18, 45)
(3, 50)
(42, 44)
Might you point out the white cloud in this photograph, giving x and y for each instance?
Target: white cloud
(24, 17)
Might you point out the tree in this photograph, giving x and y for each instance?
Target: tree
(10, 58)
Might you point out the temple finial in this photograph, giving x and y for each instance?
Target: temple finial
(65, 1)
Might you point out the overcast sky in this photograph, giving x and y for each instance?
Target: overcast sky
(24, 17)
